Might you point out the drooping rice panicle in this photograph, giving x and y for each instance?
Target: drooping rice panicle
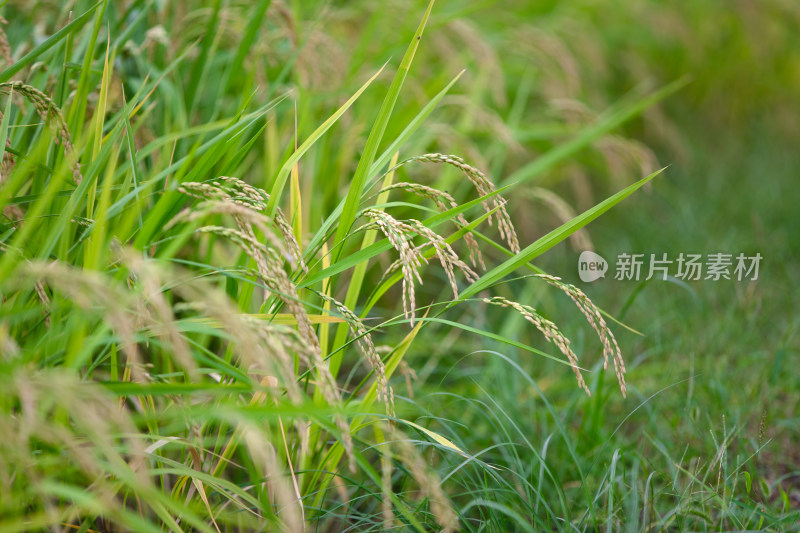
(152, 296)
(429, 483)
(444, 202)
(243, 215)
(400, 234)
(367, 346)
(548, 329)
(447, 256)
(410, 258)
(52, 116)
(272, 274)
(5, 47)
(580, 239)
(595, 318)
(483, 185)
(242, 193)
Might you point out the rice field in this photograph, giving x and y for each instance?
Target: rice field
(319, 266)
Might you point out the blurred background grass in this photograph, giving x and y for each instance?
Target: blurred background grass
(713, 378)
(721, 356)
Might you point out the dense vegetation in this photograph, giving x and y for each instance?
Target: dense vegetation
(277, 265)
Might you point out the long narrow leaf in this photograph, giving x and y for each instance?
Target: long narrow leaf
(376, 135)
(283, 173)
(551, 239)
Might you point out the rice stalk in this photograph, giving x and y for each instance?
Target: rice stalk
(50, 114)
(548, 329)
(367, 347)
(387, 514)
(484, 186)
(595, 318)
(263, 454)
(444, 202)
(429, 482)
(275, 278)
(262, 349)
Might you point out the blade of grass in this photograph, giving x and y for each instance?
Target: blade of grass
(357, 279)
(375, 136)
(77, 111)
(201, 64)
(283, 173)
(323, 233)
(4, 125)
(99, 121)
(611, 121)
(48, 43)
(246, 44)
(551, 239)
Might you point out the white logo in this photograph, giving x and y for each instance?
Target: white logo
(591, 266)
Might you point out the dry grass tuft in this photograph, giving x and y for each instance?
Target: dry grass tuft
(94, 439)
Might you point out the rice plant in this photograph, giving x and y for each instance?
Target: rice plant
(224, 252)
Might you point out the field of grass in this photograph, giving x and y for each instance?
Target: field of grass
(282, 266)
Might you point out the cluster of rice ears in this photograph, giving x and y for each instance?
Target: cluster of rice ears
(175, 324)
